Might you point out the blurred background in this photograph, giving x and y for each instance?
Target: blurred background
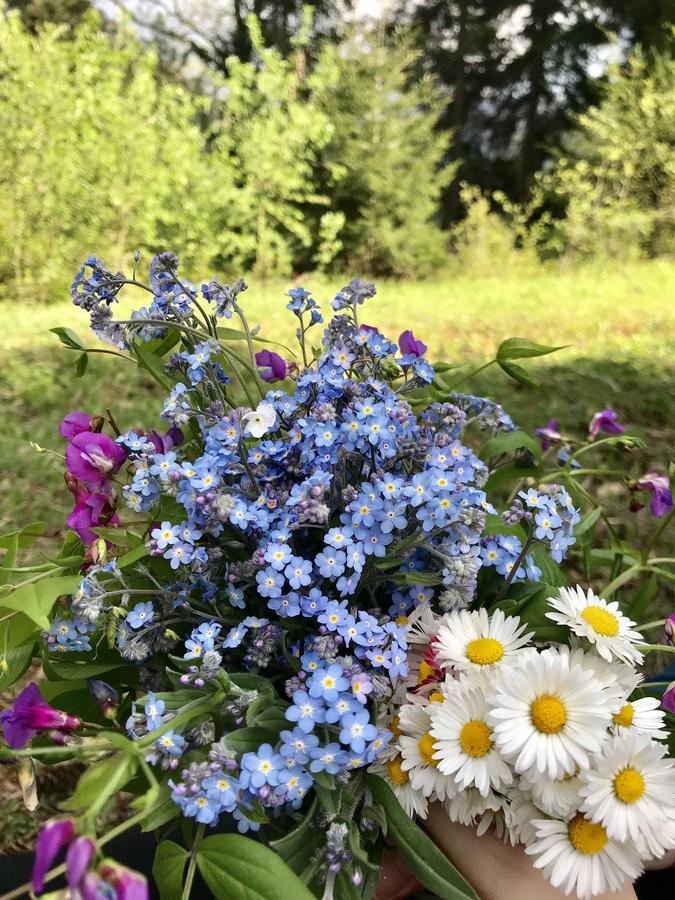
(498, 168)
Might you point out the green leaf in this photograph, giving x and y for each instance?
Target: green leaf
(17, 660)
(168, 868)
(68, 338)
(245, 740)
(26, 535)
(518, 373)
(101, 780)
(297, 846)
(237, 868)
(550, 571)
(163, 810)
(432, 868)
(152, 363)
(641, 599)
(9, 559)
(36, 600)
(520, 348)
(132, 556)
(81, 365)
(587, 523)
(248, 682)
(79, 666)
(511, 440)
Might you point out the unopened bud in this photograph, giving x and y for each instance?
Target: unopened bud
(105, 696)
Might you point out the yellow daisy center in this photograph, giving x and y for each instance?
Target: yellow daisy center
(426, 747)
(436, 697)
(393, 727)
(586, 837)
(624, 716)
(425, 672)
(396, 773)
(401, 620)
(485, 651)
(601, 620)
(548, 714)
(629, 785)
(475, 738)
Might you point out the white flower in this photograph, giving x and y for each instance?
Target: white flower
(260, 420)
(469, 806)
(557, 797)
(417, 751)
(413, 802)
(464, 743)
(631, 789)
(520, 814)
(474, 640)
(579, 854)
(548, 714)
(644, 716)
(598, 621)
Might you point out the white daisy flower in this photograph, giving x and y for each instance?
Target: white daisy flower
(469, 805)
(417, 750)
(557, 797)
(618, 679)
(413, 802)
(579, 855)
(520, 815)
(474, 640)
(630, 787)
(644, 715)
(598, 621)
(464, 743)
(548, 714)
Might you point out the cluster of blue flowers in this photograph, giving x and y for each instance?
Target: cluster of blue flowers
(297, 536)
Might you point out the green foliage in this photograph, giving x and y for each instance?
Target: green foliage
(384, 160)
(617, 180)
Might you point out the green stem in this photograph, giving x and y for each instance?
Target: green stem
(471, 374)
(657, 623)
(190, 875)
(656, 647)
(657, 534)
(251, 350)
(188, 712)
(621, 579)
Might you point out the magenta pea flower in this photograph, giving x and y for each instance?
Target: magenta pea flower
(669, 630)
(164, 442)
(128, 885)
(272, 366)
(659, 485)
(668, 699)
(605, 420)
(93, 457)
(53, 837)
(549, 434)
(31, 713)
(92, 509)
(74, 423)
(78, 859)
(410, 346)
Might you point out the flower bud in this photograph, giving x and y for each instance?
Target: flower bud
(106, 697)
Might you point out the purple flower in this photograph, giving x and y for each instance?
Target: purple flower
(605, 420)
(53, 836)
(78, 858)
(668, 699)
(272, 366)
(93, 457)
(164, 442)
(669, 630)
(105, 696)
(128, 885)
(549, 434)
(409, 346)
(29, 714)
(92, 509)
(74, 423)
(659, 485)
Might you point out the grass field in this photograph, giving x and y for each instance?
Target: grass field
(620, 323)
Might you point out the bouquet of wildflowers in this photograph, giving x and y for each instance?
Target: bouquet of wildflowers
(325, 594)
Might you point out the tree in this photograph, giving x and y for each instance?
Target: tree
(35, 13)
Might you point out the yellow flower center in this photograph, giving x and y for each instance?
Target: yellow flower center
(396, 773)
(402, 620)
(586, 837)
(393, 727)
(475, 738)
(601, 620)
(436, 697)
(624, 716)
(425, 672)
(426, 747)
(485, 651)
(548, 714)
(629, 785)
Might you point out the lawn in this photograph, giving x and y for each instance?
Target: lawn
(619, 323)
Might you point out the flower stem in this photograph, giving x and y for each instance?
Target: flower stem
(192, 866)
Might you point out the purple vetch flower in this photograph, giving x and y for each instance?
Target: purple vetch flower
(549, 434)
(669, 630)
(128, 885)
(106, 697)
(668, 699)
(659, 485)
(409, 345)
(272, 366)
(53, 837)
(93, 457)
(29, 714)
(78, 859)
(74, 423)
(605, 420)
(92, 509)
(164, 442)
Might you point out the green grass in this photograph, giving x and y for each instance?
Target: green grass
(620, 323)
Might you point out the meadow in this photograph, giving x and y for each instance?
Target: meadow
(619, 323)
